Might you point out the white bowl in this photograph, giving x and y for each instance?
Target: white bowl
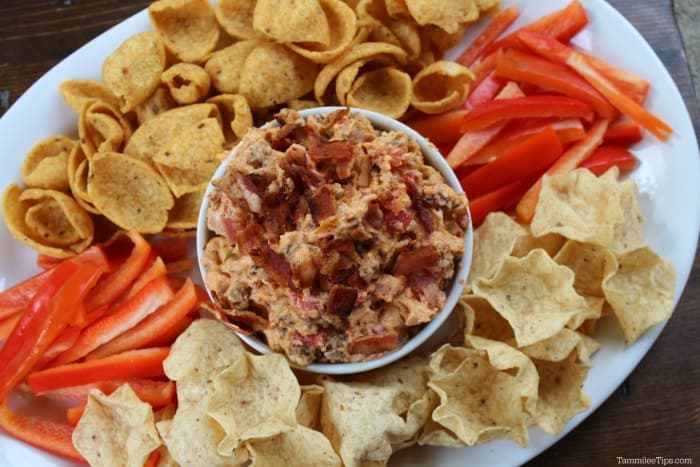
(433, 158)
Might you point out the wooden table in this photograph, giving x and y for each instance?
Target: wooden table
(656, 412)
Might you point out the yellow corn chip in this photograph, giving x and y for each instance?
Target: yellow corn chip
(441, 86)
(75, 92)
(236, 17)
(288, 21)
(309, 406)
(484, 321)
(102, 128)
(158, 102)
(224, 66)
(385, 90)
(445, 14)
(185, 211)
(628, 235)
(591, 264)
(300, 447)
(188, 83)
(188, 28)
(46, 165)
(236, 115)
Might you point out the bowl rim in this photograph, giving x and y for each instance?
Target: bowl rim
(433, 158)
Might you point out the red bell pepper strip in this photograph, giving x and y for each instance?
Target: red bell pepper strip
(470, 142)
(53, 437)
(529, 157)
(549, 47)
(568, 131)
(63, 342)
(171, 334)
(625, 133)
(132, 312)
(539, 106)
(8, 324)
(440, 128)
(155, 270)
(571, 159)
(633, 86)
(153, 326)
(51, 310)
(142, 363)
(498, 200)
(118, 281)
(523, 67)
(607, 156)
(485, 91)
(18, 296)
(74, 414)
(561, 25)
(483, 68)
(169, 248)
(496, 27)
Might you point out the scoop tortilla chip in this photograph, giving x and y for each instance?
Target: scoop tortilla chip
(188, 83)
(641, 292)
(188, 28)
(158, 102)
(287, 21)
(102, 128)
(441, 86)
(385, 90)
(224, 66)
(591, 264)
(444, 14)
(75, 92)
(116, 430)
(342, 24)
(559, 347)
(534, 294)
(132, 72)
(185, 211)
(129, 192)
(579, 206)
(484, 321)
(46, 165)
(236, 17)
(236, 115)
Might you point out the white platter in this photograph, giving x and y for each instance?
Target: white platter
(668, 178)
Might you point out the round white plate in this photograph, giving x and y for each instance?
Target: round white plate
(668, 178)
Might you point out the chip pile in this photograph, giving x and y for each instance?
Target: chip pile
(519, 355)
(172, 101)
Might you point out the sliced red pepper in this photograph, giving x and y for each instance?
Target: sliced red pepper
(172, 333)
(538, 106)
(633, 86)
(571, 159)
(485, 91)
(155, 270)
(169, 248)
(549, 47)
(18, 296)
(561, 25)
(118, 281)
(605, 157)
(484, 67)
(496, 27)
(470, 142)
(53, 437)
(142, 363)
(528, 68)
(155, 294)
(51, 310)
(529, 157)
(8, 324)
(497, 200)
(625, 133)
(46, 261)
(74, 414)
(440, 128)
(153, 326)
(568, 131)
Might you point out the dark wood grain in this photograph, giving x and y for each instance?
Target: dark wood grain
(656, 412)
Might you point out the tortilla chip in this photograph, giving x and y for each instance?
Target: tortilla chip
(150, 137)
(236, 115)
(309, 406)
(591, 264)
(236, 17)
(441, 86)
(254, 398)
(260, 81)
(300, 447)
(46, 165)
(628, 235)
(78, 171)
(369, 418)
(132, 72)
(496, 404)
(385, 90)
(158, 102)
(343, 27)
(494, 240)
(445, 14)
(579, 206)
(224, 66)
(129, 192)
(76, 91)
(185, 211)
(534, 294)
(288, 21)
(558, 347)
(116, 430)
(551, 243)
(188, 28)
(188, 83)
(102, 128)
(641, 292)
(396, 8)
(484, 321)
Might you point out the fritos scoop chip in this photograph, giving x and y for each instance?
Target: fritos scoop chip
(342, 24)
(535, 295)
(236, 17)
(287, 21)
(188, 28)
(385, 90)
(224, 66)
(441, 86)
(129, 192)
(641, 291)
(116, 430)
(78, 168)
(300, 446)
(76, 91)
(46, 165)
(48, 221)
(444, 14)
(102, 128)
(184, 212)
(260, 81)
(188, 83)
(132, 72)
(579, 206)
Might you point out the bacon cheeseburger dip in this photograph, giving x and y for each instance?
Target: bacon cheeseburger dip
(332, 239)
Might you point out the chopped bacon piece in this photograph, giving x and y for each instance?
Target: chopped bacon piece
(282, 139)
(398, 222)
(375, 216)
(320, 150)
(247, 183)
(250, 240)
(341, 299)
(277, 267)
(347, 276)
(374, 344)
(418, 281)
(322, 203)
(295, 165)
(277, 216)
(425, 215)
(418, 259)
